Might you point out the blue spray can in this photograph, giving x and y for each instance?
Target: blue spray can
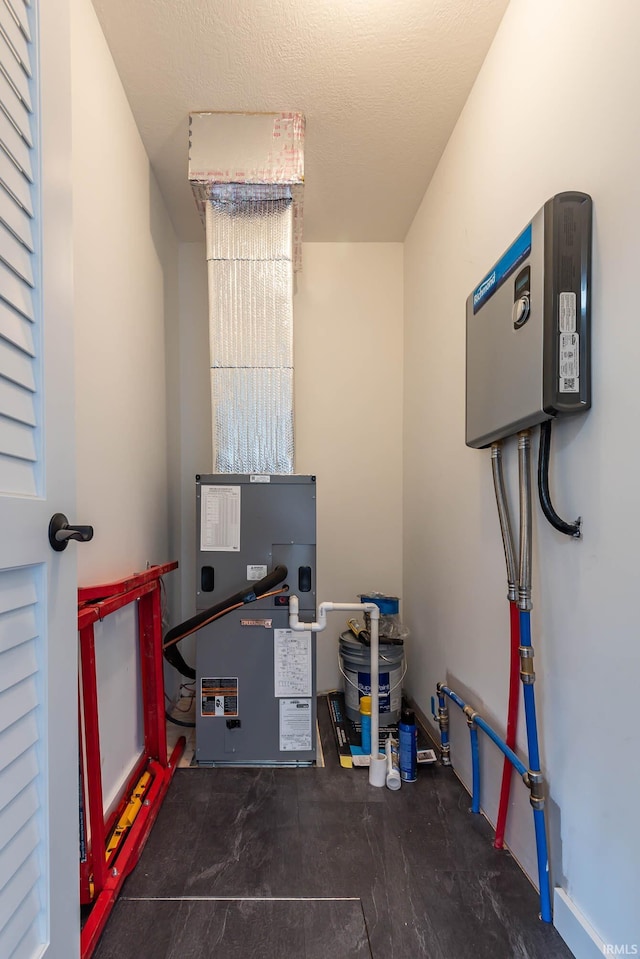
(408, 736)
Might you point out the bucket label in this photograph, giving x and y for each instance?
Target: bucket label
(355, 666)
(389, 697)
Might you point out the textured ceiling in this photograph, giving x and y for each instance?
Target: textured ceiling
(381, 83)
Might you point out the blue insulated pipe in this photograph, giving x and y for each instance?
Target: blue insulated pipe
(484, 726)
(473, 734)
(475, 767)
(529, 695)
(533, 777)
(543, 864)
(454, 696)
(534, 765)
(443, 723)
(527, 673)
(500, 743)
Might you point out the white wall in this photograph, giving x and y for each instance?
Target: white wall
(552, 109)
(125, 266)
(190, 404)
(348, 405)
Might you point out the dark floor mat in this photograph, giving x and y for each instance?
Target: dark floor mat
(235, 929)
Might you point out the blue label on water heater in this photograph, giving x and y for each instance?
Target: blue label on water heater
(517, 252)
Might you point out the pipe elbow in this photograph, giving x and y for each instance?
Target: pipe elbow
(471, 714)
(301, 627)
(322, 617)
(372, 609)
(294, 607)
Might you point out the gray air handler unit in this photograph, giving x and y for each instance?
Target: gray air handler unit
(528, 326)
(255, 677)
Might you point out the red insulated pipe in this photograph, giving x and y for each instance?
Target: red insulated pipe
(512, 724)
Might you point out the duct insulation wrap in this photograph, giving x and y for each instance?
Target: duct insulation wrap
(250, 268)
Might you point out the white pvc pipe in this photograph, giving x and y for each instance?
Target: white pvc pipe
(377, 761)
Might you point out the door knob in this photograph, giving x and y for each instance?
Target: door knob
(60, 532)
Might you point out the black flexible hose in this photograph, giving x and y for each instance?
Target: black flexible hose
(569, 529)
(178, 722)
(174, 657)
(247, 595)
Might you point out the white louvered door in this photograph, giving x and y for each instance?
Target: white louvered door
(38, 637)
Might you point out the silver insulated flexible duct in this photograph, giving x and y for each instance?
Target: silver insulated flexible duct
(249, 230)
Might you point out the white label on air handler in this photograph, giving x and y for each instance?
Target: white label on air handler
(295, 725)
(255, 572)
(567, 312)
(220, 518)
(292, 662)
(569, 362)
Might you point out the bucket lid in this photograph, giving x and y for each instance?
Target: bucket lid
(349, 643)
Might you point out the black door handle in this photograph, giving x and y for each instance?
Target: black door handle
(60, 532)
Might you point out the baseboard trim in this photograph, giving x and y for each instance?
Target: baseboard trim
(579, 935)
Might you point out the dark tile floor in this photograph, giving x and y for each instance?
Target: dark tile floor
(310, 863)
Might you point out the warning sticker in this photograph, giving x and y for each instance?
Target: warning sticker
(219, 696)
(569, 362)
(255, 572)
(567, 312)
(295, 725)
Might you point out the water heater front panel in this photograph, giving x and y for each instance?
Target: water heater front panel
(528, 326)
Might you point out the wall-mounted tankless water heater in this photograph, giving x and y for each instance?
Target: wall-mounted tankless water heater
(528, 326)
